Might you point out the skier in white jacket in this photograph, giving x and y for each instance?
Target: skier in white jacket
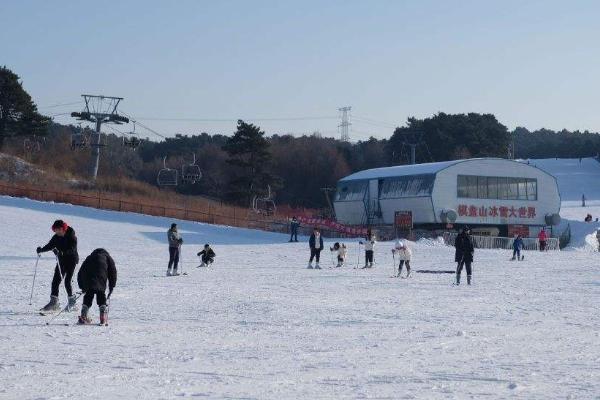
(403, 252)
(341, 250)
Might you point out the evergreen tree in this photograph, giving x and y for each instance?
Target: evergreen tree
(248, 152)
(18, 113)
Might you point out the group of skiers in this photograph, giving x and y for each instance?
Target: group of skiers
(401, 253)
(95, 271)
(207, 254)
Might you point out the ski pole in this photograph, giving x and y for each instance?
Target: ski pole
(181, 257)
(64, 309)
(393, 263)
(358, 256)
(34, 274)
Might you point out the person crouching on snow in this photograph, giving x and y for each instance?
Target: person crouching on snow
(97, 268)
(207, 256)
(316, 245)
(403, 252)
(369, 249)
(341, 253)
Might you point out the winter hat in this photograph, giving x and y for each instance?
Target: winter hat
(399, 243)
(173, 226)
(59, 224)
(206, 246)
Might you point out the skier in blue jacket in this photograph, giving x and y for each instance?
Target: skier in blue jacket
(517, 247)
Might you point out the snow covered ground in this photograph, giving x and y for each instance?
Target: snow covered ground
(260, 325)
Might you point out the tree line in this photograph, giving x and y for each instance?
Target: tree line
(297, 169)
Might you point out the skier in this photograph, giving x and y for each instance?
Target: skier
(175, 242)
(207, 256)
(517, 247)
(369, 249)
(294, 225)
(64, 246)
(404, 254)
(542, 238)
(95, 270)
(464, 253)
(315, 242)
(341, 250)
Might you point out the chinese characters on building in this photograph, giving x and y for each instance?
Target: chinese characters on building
(465, 210)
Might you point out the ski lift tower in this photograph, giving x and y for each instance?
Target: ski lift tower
(99, 110)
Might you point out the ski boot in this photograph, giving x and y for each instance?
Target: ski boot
(468, 279)
(457, 280)
(83, 319)
(175, 273)
(104, 315)
(53, 305)
(72, 305)
(169, 272)
(309, 266)
(317, 266)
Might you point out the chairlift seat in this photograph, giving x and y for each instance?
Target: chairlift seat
(167, 177)
(191, 173)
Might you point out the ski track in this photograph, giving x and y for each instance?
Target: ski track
(259, 325)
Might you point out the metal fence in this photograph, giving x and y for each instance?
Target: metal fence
(494, 242)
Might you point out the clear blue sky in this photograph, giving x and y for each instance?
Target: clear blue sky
(531, 63)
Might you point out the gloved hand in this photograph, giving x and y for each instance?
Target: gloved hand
(180, 241)
(360, 242)
(38, 250)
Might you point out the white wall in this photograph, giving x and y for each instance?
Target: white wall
(349, 212)
(445, 192)
(421, 207)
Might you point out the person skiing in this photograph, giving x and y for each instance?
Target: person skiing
(517, 247)
(207, 256)
(294, 225)
(315, 242)
(542, 238)
(404, 254)
(369, 249)
(64, 245)
(175, 242)
(464, 254)
(341, 250)
(95, 270)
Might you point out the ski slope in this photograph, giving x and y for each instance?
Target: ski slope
(261, 326)
(575, 177)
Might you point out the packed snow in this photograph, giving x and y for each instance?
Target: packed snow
(259, 325)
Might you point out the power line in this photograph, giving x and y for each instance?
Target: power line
(374, 122)
(61, 105)
(234, 119)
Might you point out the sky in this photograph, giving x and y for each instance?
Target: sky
(198, 66)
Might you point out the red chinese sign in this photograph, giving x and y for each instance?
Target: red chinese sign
(403, 220)
(514, 230)
(472, 211)
(333, 225)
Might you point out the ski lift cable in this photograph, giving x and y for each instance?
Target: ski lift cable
(235, 119)
(137, 121)
(60, 105)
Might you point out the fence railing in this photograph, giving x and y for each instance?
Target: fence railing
(494, 242)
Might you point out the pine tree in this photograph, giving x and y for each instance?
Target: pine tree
(18, 113)
(248, 152)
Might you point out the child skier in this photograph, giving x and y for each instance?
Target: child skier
(341, 253)
(97, 268)
(315, 242)
(207, 256)
(517, 247)
(369, 249)
(404, 254)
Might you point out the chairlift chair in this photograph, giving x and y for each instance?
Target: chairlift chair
(191, 173)
(264, 205)
(78, 139)
(132, 142)
(167, 176)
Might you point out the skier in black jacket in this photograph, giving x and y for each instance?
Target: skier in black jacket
(97, 268)
(207, 256)
(64, 245)
(464, 254)
(315, 242)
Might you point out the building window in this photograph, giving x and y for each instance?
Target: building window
(495, 187)
(406, 186)
(351, 191)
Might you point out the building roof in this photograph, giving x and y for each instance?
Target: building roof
(401, 170)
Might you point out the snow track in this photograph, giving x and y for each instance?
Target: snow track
(260, 325)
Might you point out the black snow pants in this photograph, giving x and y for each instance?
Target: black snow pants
(316, 254)
(368, 257)
(466, 264)
(67, 269)
(402, 264)
(89, 297)
(173, 257)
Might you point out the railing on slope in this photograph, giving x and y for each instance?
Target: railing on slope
(494, 242)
